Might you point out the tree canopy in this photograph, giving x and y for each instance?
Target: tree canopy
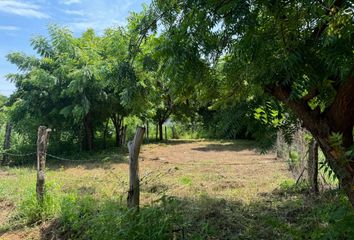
(300, 53)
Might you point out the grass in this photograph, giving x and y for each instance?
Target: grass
(195, 190)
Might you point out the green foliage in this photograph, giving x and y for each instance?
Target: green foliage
(341, 224)
(324, 166)
(75, 84)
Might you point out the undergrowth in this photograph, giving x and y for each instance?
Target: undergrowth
(290, 212)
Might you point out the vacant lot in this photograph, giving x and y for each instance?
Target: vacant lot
(225, 188)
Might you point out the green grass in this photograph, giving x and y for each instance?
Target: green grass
(287, 213)
(187, 181)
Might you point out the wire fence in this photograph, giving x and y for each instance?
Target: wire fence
(17, 154)
(8, 153)
(71, 160)
(296, 153)
(296, 156)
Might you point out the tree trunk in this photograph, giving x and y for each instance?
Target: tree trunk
(157, 132)
(105, 135)
(147, 132)
(312, 166)
(7, 142)
(42, 144)
(89, 133)
(118, 122)
(160, 131)
(166, 133)
(134, 184)
(343, 172)
(337, 119)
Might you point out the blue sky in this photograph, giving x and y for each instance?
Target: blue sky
(22, 19)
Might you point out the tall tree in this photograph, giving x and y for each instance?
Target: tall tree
(63, 81)
(298, 52)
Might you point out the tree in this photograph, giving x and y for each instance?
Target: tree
(114, 47)
(64, 81)
(298, 52)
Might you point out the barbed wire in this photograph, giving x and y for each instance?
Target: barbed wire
(48, 154)
(17, 154)
(71, 160)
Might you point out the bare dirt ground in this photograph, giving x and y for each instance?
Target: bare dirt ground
(222, 169)
(185, 169)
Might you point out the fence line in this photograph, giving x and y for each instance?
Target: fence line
(48, 154)
(70, 160)
(296, 153)
(18, 154)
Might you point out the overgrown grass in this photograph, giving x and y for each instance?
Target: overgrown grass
(287, 213)
(74, 216)
(84, 218)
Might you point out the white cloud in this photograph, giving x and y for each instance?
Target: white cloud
(22, 9)
(99, 26)
(101, 14)
(69, 2)
(74, 12)
(9, 28)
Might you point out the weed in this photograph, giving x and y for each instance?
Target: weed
(31, 210)
(187, 181)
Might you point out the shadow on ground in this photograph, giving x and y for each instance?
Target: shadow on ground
(221, 147)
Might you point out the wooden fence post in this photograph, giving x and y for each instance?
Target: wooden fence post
(313, 166)
(134, 184)
(42, 144)
(7, 142)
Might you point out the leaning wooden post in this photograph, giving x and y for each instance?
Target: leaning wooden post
(42, 144)
(124, 137)
(134, 149)
(7, 142)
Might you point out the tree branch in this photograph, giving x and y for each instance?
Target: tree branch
(312, 119)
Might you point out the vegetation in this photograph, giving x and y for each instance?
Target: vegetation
(87, 200)
(298, 52)
(187, 69)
